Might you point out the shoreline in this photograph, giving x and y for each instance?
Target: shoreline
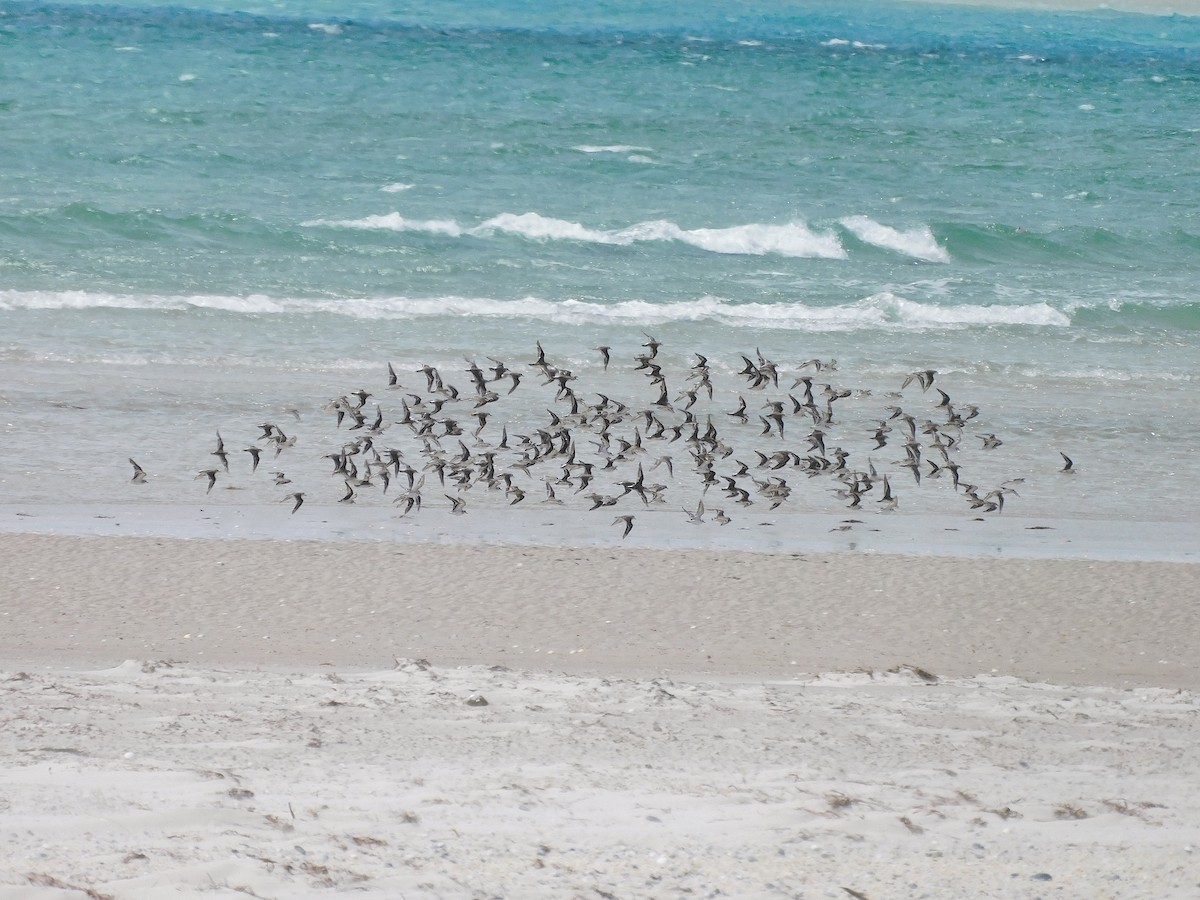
(1011, 536)
(96, 601)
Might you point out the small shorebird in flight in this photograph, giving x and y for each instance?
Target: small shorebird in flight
(210, 474)
(432, 378)
(605, 354)
(888, 499)
(220, 453)
(139, 474)
(1068, 463)
(740, 412)
(628, 520)
(924, 377)
(460, 505)
(298, 497)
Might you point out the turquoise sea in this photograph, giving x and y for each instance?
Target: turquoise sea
(221, 216)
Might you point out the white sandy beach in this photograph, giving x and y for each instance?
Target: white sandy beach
(275, 719)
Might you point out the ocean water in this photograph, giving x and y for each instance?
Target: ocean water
(221, 216)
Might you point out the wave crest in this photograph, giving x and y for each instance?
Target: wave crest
(918, 243)
(391, 222)
(794, 239)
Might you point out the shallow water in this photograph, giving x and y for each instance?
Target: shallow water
(216, 217)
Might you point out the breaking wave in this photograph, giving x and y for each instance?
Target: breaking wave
(879, 311)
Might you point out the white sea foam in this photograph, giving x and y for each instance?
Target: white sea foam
(857, 45)
(392, 222)
(537, 227)
(396, 187)
(916, 242)
(794, 239)
(910, 313)
(612, 148)
(885, 310)
(81, 300)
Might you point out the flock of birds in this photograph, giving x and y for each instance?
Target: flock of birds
(441, 441)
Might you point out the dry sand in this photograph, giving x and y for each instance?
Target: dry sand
(275, 719)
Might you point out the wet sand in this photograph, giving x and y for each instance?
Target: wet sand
(604, 611)
(299, 719)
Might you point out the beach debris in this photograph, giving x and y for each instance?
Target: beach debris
(924, 675)
(477, 700)
(911, 825)
(404, 664)
(41, 879)
(659, 694)
(282, 824)
(838, 800)
(1070, 811)
(1005, 812)
(1125, 808)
